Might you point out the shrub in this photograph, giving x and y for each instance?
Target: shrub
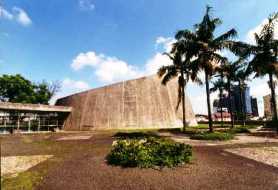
(149, 152)
(239, 130)
(271, 124)
(220, 136)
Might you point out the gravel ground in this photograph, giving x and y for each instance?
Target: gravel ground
(83, 166)
(267, 155)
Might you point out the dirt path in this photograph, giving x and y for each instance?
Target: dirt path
(212, 168)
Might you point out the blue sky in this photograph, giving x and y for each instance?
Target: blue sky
(90, 43)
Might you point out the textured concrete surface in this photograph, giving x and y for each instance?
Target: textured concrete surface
(266, 155)
(6, 106)
(139, 103)
(12, 165)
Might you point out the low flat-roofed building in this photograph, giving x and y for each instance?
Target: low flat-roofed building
(31, 117)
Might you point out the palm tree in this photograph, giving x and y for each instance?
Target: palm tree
(181, 69)
(219, 85)
(229, 70)
(264, 61)
(241, 76)
(205, 47)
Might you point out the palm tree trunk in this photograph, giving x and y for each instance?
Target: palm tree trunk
(221, 106)
(208, 103)
(183, 100)
(230, 104)
(273, 100)
(221, 99)
(244, 109)
(241, 104)
(183, 109)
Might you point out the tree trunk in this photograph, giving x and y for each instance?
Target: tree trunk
(273, 100)
(183, 109)
(221, 106)
(230, 104)
(242, 106)
(221, 99)
(208, 103)
(183, 100)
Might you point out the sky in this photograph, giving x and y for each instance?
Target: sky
(90, 43)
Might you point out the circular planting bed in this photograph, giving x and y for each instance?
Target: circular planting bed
(149, 152)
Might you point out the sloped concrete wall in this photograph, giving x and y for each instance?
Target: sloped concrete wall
(139, 103)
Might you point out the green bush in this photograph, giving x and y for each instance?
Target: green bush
(220, 136)
(149, 152)
(271, 124)
(239, 130)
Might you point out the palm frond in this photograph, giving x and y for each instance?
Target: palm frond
(226, 36)
(170, 72)
(218, 58)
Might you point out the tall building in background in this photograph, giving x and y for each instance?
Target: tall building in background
(250, 105)
(267, 106)
(254, 105)
(246, 100)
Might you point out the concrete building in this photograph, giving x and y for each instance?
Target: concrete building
(249, 103)
(139, 103)
(254, 105)
(31, 117)
(267, 106)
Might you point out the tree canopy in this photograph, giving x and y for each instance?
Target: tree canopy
(17, 89)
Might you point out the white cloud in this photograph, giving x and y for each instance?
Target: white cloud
(68, 87)
(165, 42)
(17, 14)
(156, 62)
(250, 34)
(74, 85)
(107, 69)
(86, 5)
(113, 70)
(5, 14)
(87, 59)
(22, 17)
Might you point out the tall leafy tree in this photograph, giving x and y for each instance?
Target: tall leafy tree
(205, 48)
(17, 89)
(179, 69)
(241, 76)
(219, 85)
(229, 71)
(44, 91)
(265, 61)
